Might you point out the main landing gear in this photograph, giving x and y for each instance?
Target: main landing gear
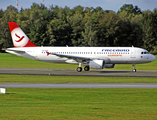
(134, 70)
(79, 69)
(86, 68)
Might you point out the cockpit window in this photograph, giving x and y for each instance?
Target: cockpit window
(145, 53)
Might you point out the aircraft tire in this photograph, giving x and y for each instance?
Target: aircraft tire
(86, 68)
(79, 69)
(134, 70)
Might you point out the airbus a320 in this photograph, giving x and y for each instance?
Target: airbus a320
(90, 57)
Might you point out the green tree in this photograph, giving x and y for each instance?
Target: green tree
(130, 9)
(38, 19)
(108, 29)
(131, 28)
(58, 33)
(9, 15)
(149, 25)
(89, 32)
(75, 22)
(1, 13)
(82, 26)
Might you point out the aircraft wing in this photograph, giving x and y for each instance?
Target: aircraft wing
(76, 58)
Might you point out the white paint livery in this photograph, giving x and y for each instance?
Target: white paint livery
(90, 57)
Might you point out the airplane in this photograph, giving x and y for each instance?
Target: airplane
(90, 57)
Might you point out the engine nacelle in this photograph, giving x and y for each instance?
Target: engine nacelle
(97, 64)
(109, 65)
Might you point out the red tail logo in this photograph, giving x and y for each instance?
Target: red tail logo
(20, 38)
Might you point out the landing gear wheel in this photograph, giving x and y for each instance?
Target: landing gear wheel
(86, 68)
(134, 70)
(79, 69)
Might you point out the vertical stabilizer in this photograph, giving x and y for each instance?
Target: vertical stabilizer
(19, 38)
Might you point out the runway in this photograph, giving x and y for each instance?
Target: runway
(63, 72)
(67, 72)
(79, 85)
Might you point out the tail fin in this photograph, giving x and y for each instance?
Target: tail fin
(19, 38)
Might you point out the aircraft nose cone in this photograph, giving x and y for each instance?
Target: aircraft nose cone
(153, 58)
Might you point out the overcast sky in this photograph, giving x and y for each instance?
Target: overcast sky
(105, 4)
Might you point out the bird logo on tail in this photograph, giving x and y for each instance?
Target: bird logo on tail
(20, 38)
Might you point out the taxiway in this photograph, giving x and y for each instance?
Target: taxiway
(63, 72)
(67, 72)
(79, 85)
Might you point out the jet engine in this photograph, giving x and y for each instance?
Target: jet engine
(97, 64)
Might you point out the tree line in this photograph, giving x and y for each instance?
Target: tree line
(82, 26)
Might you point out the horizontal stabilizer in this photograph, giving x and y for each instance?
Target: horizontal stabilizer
(18, 51)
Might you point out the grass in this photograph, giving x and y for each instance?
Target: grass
(78, 104)
(75, 103)
(12, 61)
(72, 79)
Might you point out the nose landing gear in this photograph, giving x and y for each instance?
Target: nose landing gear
(134, 70)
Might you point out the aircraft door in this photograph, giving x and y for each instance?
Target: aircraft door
(133, 53)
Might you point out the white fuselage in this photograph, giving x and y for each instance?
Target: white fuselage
(111, 55)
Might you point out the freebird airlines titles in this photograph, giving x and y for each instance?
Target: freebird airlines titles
(90, 57)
